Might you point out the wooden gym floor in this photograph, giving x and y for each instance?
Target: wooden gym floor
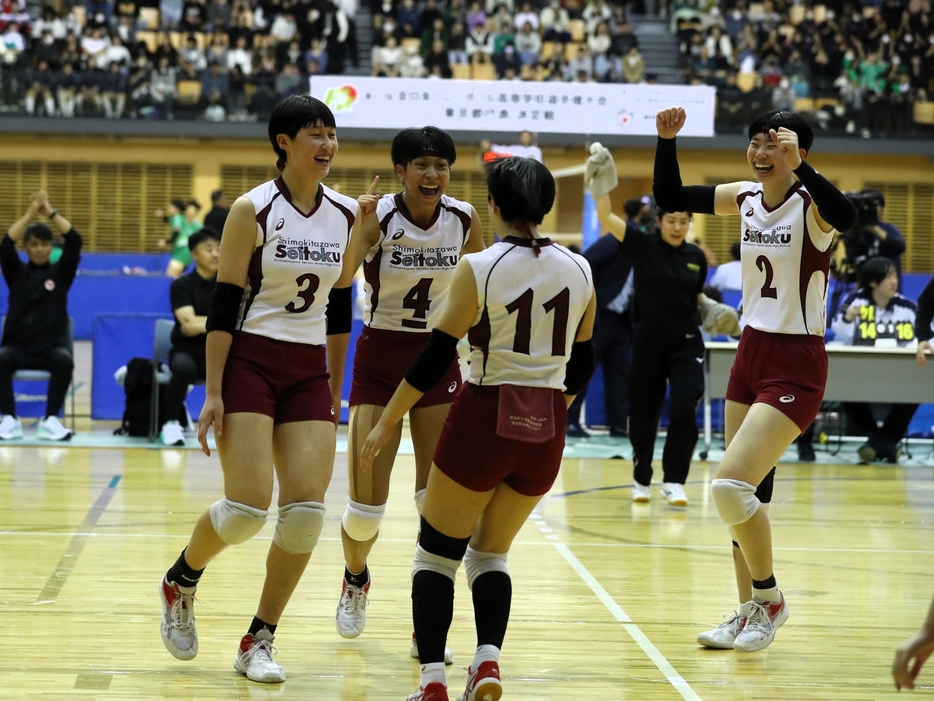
(609, 596)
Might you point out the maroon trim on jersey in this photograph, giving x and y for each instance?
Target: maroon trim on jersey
(525, 243)
(255, 276)
(284, 189)
(263, 215)
(750, 193)
(465, 220)
(478, 336)
(404, 211)
(347, 213)
(371, 269)
(741, 197)
(813, 261)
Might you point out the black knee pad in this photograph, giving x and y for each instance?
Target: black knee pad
(426, 581)
(435, 542)
(764, 490)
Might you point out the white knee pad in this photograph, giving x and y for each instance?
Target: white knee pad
(236, 523)
(361, 521)
(426, 561)
(299, 526)
(420, 500)
(477, 563)
(764, 508)
(735, 500)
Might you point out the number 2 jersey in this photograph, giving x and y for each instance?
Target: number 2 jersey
(786, 263)
(529, 310)
(409, 270)
(296, 261)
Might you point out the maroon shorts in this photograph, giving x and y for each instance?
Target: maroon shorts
(287, 381)
(473, 455)
(787, 371)
(379, 366)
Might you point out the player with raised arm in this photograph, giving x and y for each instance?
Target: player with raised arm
(527, 305)
(409, 244)
(789, 213)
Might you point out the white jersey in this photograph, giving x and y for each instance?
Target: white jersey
(409, 270)
(530, 309)
(786, 262)
(297, 260)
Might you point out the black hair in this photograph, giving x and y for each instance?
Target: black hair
(192, 203)
(205, 233)
(523, 188)
(659, 213)
(39, 231)
(633, 207)
(413, 143)
(735, 250)
(782, 118)
(874, 269)
(179, 205)
(293, 114)
(216, 195)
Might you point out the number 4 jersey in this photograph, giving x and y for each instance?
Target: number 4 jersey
(786, 263)
(296, 261)
(409, 270)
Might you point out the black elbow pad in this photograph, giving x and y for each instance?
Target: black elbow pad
(340, 310)
(580, 367)
(225, 307)
(432, 363)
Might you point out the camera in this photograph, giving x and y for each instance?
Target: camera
(867, 203)
(858, 241)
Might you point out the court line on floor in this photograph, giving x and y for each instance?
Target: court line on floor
(53, 586)
(653, 653)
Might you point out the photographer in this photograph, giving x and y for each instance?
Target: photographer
(876, 315)
(870, 237)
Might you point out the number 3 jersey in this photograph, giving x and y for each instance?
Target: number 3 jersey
(296, 261)
(409, 270)
(785, 260)
(529, 310)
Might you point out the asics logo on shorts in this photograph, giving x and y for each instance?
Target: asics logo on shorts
(787, 399)
(452, 387)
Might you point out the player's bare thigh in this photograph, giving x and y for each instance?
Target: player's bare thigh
(757, 437)
(245, 448)
(426, 424)
(502, 520)
(452, 508)
(303, 453)
(369, 487)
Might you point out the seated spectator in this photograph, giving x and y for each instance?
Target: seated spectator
(164, 49)
(476, 17)
(580, 65)
(411, 65)
(429, 17)
(162, 87)
(46, 49)
(783, 98)
(633, 66)
(720, 46)
(90, 86)
(622, 40)
(503, 38)
(215, 85)
(457, 44)
(51, 21)
(526, 148)
(194, 16)
(113, 92)
(730, 103)
(115, 53)
(12, 45)
(595, 12)
(41, 81)
(65, 90)
(555, 66)
(555, 22)
(290, 82)
(190, 296)
(479, 45)
(220, 15)
(438, 59)
(193, 55)
(729, 275)
(290, 52)
(386, 59)
(240, 56)
(284, 27)
(454, 12)
(408, 19)
(438, 30)
(875, 314)
(35, 335)
(502, 16)
(507, 60)
(529, 45)
(526, 15)
(94, 43)
(318, 53)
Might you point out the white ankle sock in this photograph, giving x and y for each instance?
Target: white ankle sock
(485, 653)
(772, 596)
(433, 672)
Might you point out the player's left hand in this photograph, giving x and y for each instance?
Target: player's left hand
(787, 142)
(922, 347)
(910, 657)
(368, 201)
(373, 444)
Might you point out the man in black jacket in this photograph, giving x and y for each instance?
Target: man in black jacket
(35, 334)
(217, 217)
(612, 329)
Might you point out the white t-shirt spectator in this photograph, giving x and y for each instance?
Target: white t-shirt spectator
(523, 17)
(283, 28)
(728, 276)
(240, 57)
(115, 53)
(94, 46)
(555, 17)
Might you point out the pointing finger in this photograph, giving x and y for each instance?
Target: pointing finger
(372, 190)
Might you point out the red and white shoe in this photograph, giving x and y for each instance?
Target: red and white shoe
(435, 691)
(763, 620)
(179, 633)
(483, 683)
(254, 659)
(350, 618)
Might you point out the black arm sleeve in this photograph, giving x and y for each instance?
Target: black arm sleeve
(925, 313)
(225, 308)
(580, 367)
(340, 310)
(71, 256)
(834, 207)
(669, 193)
(9, 260)
(432, 363)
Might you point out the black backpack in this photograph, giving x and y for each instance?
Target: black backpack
(138, 388)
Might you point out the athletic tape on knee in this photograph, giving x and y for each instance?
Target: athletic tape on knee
(299, 526)
(735, 500)
(477, 563)
(361, 521)
(236, 523)
(420, 500)
(429, 562)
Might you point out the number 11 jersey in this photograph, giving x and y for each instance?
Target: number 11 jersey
(785, 260)
(408, 272)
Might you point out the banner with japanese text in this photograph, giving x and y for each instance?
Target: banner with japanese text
(478, 105)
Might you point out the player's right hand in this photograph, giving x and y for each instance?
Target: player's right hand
(367, 202)
(922, 347)
(373, 444)
(668, 122)
(910, 657)
(211, 413)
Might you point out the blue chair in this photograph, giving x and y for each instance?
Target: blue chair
(160, 354)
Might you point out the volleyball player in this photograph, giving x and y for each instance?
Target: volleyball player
(410, 243)
(267, 391)
(667, 349)
(778, 378)
(528, 305)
